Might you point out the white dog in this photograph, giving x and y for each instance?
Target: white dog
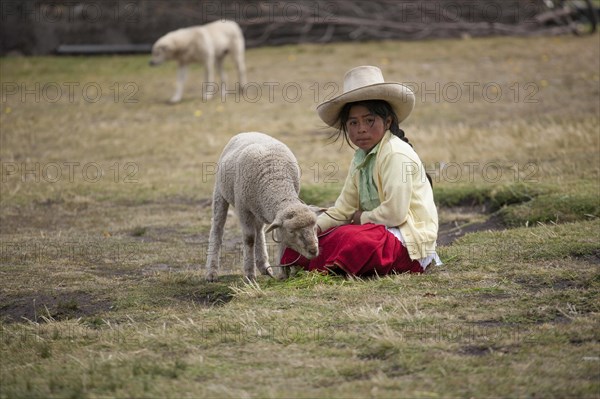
(206, 44)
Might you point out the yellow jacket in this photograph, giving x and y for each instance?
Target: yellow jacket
(405, 194)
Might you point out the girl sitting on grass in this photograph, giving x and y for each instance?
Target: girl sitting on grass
(384, 219)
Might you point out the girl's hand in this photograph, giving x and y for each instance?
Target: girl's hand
(356, 218)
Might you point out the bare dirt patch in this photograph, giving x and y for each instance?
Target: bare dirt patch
(593, 258)
(59, 306)
(476, 219)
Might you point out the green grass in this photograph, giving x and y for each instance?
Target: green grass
(322, 195)
(493, 196)
(519, 204)
(556, 207)
(102, 290)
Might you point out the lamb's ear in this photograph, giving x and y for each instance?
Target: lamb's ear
(316, 209)
(273, 226)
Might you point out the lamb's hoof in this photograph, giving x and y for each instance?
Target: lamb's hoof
(211, 277)
(174, 100)
(269, 272)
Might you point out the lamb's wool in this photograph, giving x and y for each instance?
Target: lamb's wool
(260, 177)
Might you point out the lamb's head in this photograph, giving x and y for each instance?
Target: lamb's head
(297, 226)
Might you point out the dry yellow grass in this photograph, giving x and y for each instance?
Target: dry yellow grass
(478, 101)
(102, 291)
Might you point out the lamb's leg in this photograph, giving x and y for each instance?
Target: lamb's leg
(181, 77)
(287, 271)
(284, 272)
(249, 239)
(260, 251)
(215, 239)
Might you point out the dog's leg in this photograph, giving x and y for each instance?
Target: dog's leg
(238, 58)
(222, 76)
(181, 76)
(210, 77)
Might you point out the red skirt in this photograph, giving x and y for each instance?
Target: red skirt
(362, 250)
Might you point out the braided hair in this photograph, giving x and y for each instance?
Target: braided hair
(380, 108)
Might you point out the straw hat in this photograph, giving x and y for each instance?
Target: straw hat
(366, 83)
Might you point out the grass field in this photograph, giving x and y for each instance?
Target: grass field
(105, 213)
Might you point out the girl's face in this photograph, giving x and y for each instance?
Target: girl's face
(364, 128)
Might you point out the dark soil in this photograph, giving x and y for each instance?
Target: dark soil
(450, 231)
(60, 306)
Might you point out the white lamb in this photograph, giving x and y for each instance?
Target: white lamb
(260, 177)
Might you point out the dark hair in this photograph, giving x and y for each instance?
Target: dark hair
(380, 108)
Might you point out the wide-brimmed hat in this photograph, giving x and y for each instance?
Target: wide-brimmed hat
(366, 83)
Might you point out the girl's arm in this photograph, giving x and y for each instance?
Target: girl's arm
(345, 205)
